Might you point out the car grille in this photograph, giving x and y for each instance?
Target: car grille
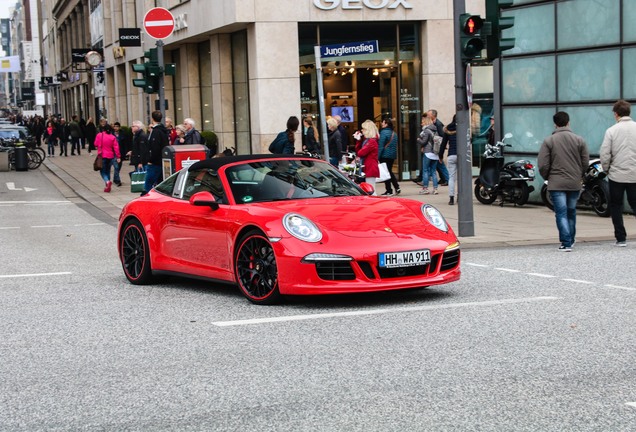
(450, 260)
(343, 270)
(335, 270)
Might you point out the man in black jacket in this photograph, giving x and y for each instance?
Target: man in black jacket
(139, 146)
(157, 140)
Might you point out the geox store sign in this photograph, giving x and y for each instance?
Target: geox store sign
(360, 4)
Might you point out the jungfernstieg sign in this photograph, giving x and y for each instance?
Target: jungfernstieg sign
(359, 4)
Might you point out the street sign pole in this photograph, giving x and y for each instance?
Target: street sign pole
(321, 101)
(162, 104)
(466, 225)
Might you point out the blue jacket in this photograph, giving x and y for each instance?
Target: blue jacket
(387, 145)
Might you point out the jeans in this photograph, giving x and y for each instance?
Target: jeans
(392, 181)
(50, 142)
(443, 172)
(452, 174)
(105, 172)
(428, 170)
(75, 145)
(617, 195)
(565, 213)
(153, 176)
(116, 178)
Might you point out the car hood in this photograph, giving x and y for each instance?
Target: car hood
(361, 217)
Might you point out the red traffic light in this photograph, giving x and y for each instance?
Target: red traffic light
(472, 24)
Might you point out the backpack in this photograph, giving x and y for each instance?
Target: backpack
(278, 145)
(437, 142)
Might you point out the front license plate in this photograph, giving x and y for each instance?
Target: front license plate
(404, 259)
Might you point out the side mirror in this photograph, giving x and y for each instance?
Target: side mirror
(366, 187)
(204, 199)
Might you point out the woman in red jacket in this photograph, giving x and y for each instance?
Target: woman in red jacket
(367, 151)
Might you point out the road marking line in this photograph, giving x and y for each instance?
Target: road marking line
(90, 224)
(540, 275)
(477, 265)
(621, 287)
(34, 275)
(46, 226)
(507, 270)
(631, 404)
(8, 228)
(579, 281)
(34, 202)
(375, 312)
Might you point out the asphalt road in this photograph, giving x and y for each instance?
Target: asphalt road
(529, 340)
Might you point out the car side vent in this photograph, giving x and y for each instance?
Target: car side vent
(450, 260)
(335, 270)
(366, 269)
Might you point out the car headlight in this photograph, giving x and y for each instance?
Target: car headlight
(301, 228)
(434, 217)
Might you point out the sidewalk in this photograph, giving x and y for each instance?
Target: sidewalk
(494, 226)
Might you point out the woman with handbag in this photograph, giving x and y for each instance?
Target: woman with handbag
(388, 153)
(107, 149)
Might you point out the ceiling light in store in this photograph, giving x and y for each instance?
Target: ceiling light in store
(344, 72)
(352, 70)
(376, 72)
(387, 62)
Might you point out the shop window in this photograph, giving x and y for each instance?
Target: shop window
(536, 25)
(591, 122)
(240, 80)
(629, 18)
(528, 126)
(528, 80)
(205, 79)
(629, 73)
(589, 76)
(587, 23)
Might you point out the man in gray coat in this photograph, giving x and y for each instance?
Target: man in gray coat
(563, 159)
(618, 157)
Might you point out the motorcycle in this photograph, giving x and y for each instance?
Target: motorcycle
(594, 192)
(509, 181)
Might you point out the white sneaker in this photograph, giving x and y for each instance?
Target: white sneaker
(621, 244)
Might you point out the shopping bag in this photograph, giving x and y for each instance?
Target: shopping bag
(384, 172)
(137, 180)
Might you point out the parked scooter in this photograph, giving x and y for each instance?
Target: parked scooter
(594, 191)
(351, 166)
(509, 181)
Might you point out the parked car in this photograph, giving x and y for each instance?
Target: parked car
(279, 225)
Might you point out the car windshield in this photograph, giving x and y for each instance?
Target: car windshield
(284, 179)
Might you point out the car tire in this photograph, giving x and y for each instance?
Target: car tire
(256, 270)
(135, 254)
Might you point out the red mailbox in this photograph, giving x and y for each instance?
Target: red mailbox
(182, 156)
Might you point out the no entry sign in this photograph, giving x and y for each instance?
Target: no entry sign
(159, 23)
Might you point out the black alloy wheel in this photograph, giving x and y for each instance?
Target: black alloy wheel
(522, 194)
(135, 256)
(483, 196)
(256, 270)
(600, 194)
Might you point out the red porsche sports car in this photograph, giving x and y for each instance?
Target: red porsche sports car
(276, 225)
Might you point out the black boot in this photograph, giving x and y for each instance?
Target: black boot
(451, 201)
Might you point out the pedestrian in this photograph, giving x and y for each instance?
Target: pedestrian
(122, 140)
(192, 135)
(562, 160)
(618, 158)
(343, 134)
(311, 142)
(91, 133)
(50, 135)
(429, 158)
(157, 140)
(172, 131)
(450, 141)
(284, 143)
(63, 135)
(181, 133)
(75, 133)
(139, 146)
(439, 130)
(387, 153)
(367, 151)
(334, 141)
(108, 148)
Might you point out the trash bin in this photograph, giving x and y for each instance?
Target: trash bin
(21, 158)
(182, 156)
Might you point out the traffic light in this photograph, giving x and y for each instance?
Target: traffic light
(495, 43)
(470, 37)
(151, 72)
